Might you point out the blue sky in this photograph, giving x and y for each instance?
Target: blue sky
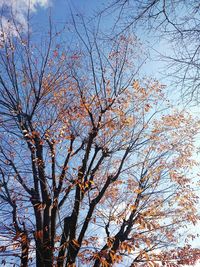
(60, 9)
(60, 12)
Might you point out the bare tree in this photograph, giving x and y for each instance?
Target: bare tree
(176, 22)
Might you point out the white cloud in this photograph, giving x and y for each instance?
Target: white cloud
(21, 6)
(17, 10)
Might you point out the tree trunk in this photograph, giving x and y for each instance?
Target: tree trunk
(65, 234)
(25, 250)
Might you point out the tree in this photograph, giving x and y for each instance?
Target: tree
(176, 22)
(93, 160)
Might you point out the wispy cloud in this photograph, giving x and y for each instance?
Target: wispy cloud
(16, 11)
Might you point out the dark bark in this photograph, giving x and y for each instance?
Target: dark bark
(25, 249)
(63, 244)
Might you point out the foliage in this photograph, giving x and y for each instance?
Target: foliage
(93, 160)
